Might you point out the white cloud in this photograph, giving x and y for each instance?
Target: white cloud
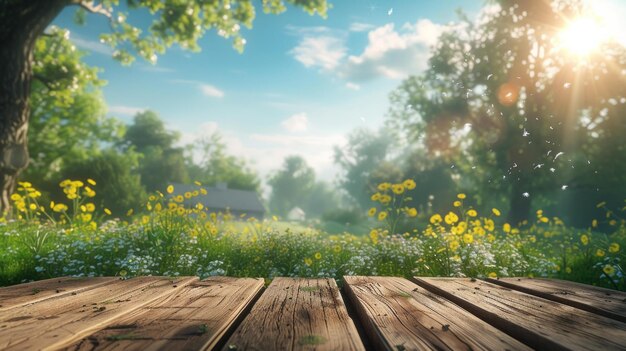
(360, 27)
(91, 45)
(353, 86)
(392, 53)
(296, 123)
(211, 91)
(323, 51)
(125, 110)
(206, 89)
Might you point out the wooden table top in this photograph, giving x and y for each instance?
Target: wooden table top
(369, 313)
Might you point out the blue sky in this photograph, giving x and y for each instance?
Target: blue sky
(300, 86)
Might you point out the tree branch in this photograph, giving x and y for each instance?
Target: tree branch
(93, 8)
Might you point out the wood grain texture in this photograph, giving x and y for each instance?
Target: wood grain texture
(605, 302)
(22, 294)
(297, 314)
(398, 315)
(51, 324)
(539, 323)
(193, 318)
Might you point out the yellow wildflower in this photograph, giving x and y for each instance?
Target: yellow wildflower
(594, 223)
(457, 203)
(384, 186)
(107, 211)
(584, 239)
(59, 208)
(197, 183)
(614, 247)
(496, 212)
(203, 191)
(544, 219)
(32, 207)
(454, 245)
(609, 270)
(468, 238)
(397, 189)
(461, 196)
(411, 212)
(409, 184)
(435, 219)
(170, 189)
(318, 256)
(492, 275)
(374, 236)
(385, 199)
(375, 197)
(600, 253)
(506, 228)
(472, 213)
(90, 207)
(451, 218)
(382, 215)
(308, 261)
(91, 181)
(187, 195)
(371, 212)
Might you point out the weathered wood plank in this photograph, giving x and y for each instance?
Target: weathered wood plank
(400, 316)
(539, 323)
(51, 324)
(605, 302)
(194, 318)
(297, 314)
(22, 294)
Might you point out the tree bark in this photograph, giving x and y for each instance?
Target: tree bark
(21, 23)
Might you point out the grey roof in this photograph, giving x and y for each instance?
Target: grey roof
(219, 198)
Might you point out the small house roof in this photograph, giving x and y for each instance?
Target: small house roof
(222, 198)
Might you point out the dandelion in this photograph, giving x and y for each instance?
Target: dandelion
(451, 218)
(170, 189)
(90, 207)
(32, 207)
(496, 212)
(492, 275)
(594, 223)
(461, 196)
(457, 203)
(91, 181)
(203, 191)
(371, 212)
(337, 248)
(318, 256)
(600, 253)
(411, 212)
(472, 213)
(584, 239)
(435, 219)
(59, 208)
(308, 261)
(614, 247)
(609, 270)
(385, 199)
(544, 220)
(197, 183)
(107, 211)
(187, 195)
(375, 197)
(382, 215)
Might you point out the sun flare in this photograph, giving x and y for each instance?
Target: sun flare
(583, 35)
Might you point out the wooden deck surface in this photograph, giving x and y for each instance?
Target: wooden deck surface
(369, 313)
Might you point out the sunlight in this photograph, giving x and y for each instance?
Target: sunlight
(583, 35)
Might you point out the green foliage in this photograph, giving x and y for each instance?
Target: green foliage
(67, 119)
(363, 159)
(162, 163)
(119, 183)
(291, 185)
(500, 102)
(184, 23)
(216, 166)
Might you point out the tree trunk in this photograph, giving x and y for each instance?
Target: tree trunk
(21, 22)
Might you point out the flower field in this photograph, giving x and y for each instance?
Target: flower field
(79, 238)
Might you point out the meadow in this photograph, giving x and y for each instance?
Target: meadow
(78, 238)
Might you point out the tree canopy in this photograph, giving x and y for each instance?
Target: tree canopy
(515, 112)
